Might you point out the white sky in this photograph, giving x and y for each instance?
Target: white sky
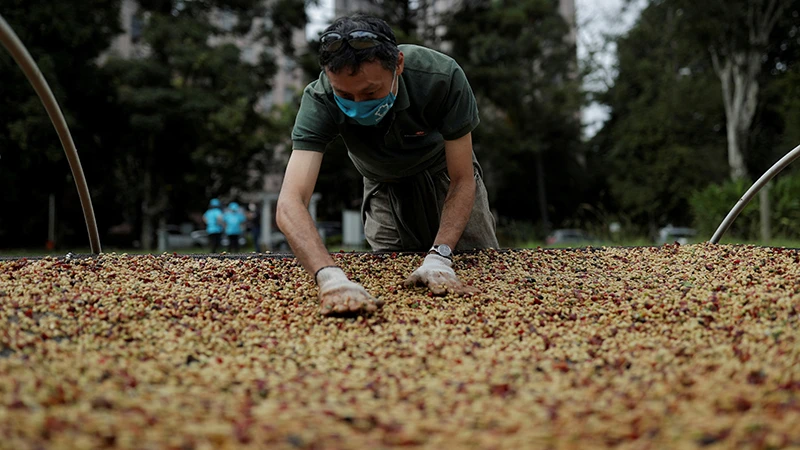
(595, 18)
(319, 18)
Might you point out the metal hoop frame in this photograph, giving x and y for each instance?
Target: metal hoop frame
(20, 54)
(757, 186)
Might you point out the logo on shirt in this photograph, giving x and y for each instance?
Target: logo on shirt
(416, 134)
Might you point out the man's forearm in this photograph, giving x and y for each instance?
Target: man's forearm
(296, 224)
(455, 214)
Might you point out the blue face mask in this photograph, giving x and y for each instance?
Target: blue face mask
(368, 112)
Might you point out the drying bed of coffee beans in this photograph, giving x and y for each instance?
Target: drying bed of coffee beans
(651, 347)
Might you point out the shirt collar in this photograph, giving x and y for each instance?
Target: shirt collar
(401, 102)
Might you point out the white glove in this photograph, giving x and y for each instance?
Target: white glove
(338, 295)
(437, 273)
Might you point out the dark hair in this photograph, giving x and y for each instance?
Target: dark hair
(348, 57)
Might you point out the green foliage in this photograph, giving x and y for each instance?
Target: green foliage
(191, 104)
(523, 72)
(784, 65)
(712, 204)
(777, 123)
(775, 131)
(665, 138)
(729, 29)
(518, 233)
(403, 15)
(287, 17)
(64, 38)
(158, 133)
(785, 203)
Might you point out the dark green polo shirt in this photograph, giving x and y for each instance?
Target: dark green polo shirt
(434, 103)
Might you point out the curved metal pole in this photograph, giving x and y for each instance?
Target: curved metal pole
(768, 175)
(20, 54)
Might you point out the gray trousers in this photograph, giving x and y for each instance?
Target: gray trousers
(380, 217)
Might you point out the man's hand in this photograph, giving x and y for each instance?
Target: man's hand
(437, 273)
(338, 295)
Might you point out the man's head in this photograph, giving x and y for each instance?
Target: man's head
(352, 41)
(362, 61)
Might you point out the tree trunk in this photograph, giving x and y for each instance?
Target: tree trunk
(740, 94)
(163, 244)
(736, 165)
(738, 70)
(766, 214)
(740, 88)
(542, 193)
(152, 205)
(147, 216)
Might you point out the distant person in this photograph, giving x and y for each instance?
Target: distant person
(406, 115)
(235, 220)
(254, 219)
(213, 218)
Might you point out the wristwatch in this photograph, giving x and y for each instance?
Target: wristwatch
(442, 250)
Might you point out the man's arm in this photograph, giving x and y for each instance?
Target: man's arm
(436, 272)
(337, 294)
(292, 214)
(461, 195)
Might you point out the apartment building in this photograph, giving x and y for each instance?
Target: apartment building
(288, 78)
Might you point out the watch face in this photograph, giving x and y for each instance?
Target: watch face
(444, 250)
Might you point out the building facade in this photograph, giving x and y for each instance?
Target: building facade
(288, 79)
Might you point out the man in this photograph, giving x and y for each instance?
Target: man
(213, 220)
(234, 220)
(406, 114)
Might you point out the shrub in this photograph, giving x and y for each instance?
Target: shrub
(785, 198)
(712, 204)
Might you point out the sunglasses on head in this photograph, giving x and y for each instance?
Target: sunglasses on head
(333, 41)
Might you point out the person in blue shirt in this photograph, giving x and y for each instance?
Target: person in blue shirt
(214, 222)
(234, 219)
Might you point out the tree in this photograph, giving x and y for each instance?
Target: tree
(65, 38)
(661, 104)
(522, 68)
(410, 19)
(738, 35)
(664, 138)
(773, 131)
(193, 128)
